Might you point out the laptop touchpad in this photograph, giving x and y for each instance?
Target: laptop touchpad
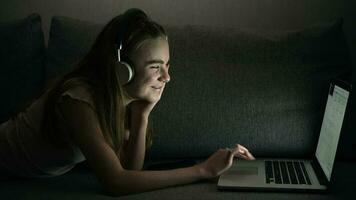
(244, 171)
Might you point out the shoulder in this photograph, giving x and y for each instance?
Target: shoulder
(76, 108)
(88, 136)
(81, 120)
(78, 90)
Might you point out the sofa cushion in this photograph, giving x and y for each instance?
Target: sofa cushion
(69, 41)
(21, 63)
(264, 89)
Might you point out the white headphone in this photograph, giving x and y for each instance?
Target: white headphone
(126, 72)
(126, 66)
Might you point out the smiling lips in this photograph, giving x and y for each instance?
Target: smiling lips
(157, 88)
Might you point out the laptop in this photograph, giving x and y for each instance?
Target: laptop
(295, 174)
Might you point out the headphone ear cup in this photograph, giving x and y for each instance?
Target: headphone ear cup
(126, 72)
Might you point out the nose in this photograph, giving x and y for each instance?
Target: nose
(165, 77)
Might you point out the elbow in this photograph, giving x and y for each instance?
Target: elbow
(118, 191)
(115, 193)
(120, 185)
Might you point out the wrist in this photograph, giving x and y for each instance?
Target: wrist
(142, 108)
(201, 172)
(144, 115)
(140, 117)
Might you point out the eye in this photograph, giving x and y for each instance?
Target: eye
(156, 67)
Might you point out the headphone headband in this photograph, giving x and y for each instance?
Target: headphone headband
(129, 17)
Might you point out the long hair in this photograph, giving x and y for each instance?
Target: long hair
(99, 70)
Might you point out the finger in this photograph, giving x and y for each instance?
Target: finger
(250, 156)
(244, 152)
(241, 156)
(241, 147)
(235, 152)
(247, 157)
(238, 154)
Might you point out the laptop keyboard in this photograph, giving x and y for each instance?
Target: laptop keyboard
(286, 172)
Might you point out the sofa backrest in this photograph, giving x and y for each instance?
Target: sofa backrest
(69, 41)
(22, 51)
(264, 89)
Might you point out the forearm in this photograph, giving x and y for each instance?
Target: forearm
(136, 146)
(141, 181)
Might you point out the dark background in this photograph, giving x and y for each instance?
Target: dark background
(254, 14)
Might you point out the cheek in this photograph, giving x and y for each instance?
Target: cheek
(148, 79)
(143, 83)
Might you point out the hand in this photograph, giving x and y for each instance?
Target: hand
(244, 153)
(221, 160)
(142, 107)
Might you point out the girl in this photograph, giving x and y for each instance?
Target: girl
(99, 112)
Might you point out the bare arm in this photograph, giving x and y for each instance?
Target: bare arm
(133, 154)
(133, 151)
(86, 133)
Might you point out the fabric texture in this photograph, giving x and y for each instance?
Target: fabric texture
(25, 152)
(264, 90)
(21, 63)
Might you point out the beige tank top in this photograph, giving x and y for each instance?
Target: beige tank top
(24, 151)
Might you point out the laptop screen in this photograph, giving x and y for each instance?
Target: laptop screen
(331, 128)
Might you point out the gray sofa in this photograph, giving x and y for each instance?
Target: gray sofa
(264, 89)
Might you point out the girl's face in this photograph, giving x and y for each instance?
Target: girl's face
(151, 64)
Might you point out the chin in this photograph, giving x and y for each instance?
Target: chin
(153, 98)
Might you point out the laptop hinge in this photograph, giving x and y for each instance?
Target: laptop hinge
(319, 173)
